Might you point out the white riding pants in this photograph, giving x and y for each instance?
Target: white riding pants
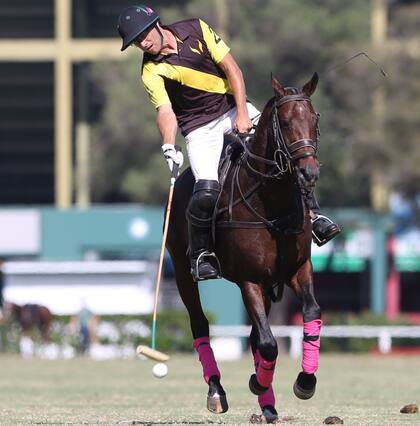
(205, 144)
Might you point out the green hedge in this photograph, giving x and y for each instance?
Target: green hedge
(173, 333)
(357, 344)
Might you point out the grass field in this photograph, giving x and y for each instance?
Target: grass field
(362, 390)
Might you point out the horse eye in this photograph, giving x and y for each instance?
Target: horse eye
(284, 124)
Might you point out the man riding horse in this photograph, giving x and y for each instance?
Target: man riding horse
(195, 84)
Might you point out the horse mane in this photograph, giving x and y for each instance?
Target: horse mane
(292, 90)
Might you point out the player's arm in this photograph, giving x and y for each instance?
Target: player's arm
(237, 85)
(167, 124)
(165, 116)
(219, 52)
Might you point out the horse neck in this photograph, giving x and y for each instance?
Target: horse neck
(260, 144)
(275, 192)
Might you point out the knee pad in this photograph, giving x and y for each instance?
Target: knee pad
(204, 198)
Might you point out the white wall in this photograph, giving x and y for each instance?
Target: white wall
(116, 287)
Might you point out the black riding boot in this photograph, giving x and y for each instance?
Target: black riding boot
(323, 228)
(204, 263)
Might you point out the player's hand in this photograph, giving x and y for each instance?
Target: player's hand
(243, 124)
(172, 156)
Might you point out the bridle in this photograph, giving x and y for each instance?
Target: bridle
(285, 155)
(282, 163)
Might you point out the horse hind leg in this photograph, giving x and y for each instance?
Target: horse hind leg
(305, 384)
(188, 291)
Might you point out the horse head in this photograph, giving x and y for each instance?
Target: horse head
(10, 310)
(295, 130)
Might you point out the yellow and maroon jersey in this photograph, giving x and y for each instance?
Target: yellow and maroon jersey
(190, 81)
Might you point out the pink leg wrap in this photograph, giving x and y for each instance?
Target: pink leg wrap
(265, 371)
(267, 398)
(311, 344)
(206, 356)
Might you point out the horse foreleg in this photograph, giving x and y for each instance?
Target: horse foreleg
(26, 345)
(207, 359)
(216, 397)
(188, 290)
(265, 344)
(304, 387)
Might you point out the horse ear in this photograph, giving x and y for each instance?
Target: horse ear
(309, 88)
(278, 88)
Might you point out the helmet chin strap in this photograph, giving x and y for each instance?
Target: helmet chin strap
(160, 33)
(162, 39)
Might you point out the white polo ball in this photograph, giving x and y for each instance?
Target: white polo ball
(160, 370)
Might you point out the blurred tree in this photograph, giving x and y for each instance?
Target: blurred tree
(403, 126)
(393, 150)
(126, 158)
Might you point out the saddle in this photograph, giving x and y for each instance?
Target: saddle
(233, 147)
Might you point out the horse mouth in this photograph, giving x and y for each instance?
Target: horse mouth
(307, 178)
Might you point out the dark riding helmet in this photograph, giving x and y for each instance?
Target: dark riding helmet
(133, 20)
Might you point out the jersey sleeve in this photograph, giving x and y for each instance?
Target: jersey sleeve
(154, 85)
(216, 46)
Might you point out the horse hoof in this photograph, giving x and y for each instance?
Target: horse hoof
(305, 384)
(216, 397)
(217, 404)
(270, 414)
(255, 387)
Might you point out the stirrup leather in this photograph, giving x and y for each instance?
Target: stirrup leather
(319, 240)
(207, 257)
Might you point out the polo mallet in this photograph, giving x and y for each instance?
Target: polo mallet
(151, 352)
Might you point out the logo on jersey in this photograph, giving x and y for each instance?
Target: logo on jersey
(217, 39)
(199, 49)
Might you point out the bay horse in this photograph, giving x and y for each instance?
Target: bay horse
(30, 317)
(262, 238)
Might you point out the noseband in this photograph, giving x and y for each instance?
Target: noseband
(285, 155)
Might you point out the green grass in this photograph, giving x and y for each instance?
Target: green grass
(362, 390)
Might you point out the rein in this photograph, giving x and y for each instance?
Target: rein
(282, 163)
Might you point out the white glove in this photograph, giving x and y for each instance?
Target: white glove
(172, 156)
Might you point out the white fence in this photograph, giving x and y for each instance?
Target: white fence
(105, 287)
(384, 334)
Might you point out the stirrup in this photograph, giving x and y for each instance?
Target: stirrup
(321, 240)
(212, 260)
